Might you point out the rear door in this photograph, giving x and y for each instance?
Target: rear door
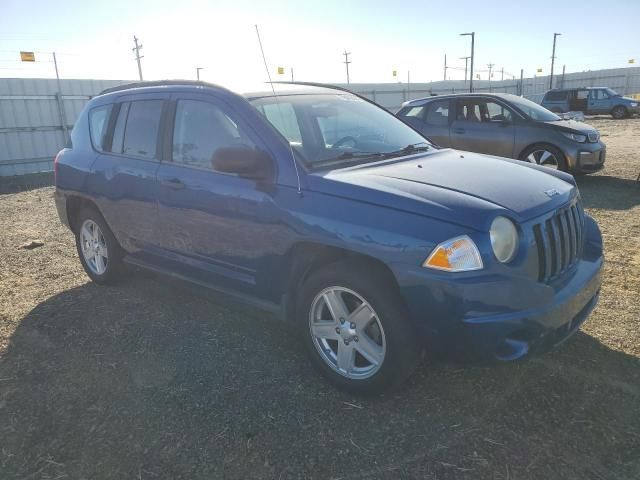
(483, 125)
(217, 226)
(124, 175)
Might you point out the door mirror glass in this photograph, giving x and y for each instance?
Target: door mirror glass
(243, 161)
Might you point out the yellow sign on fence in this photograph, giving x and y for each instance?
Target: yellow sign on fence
(27, 56)
(280, 70)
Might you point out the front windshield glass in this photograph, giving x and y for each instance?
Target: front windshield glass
(533, 110)
(612, 93)
(338, 129)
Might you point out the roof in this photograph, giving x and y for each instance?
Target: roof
(421, 101)
(260, 90)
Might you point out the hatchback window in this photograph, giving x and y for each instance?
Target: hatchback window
(438, 112)
(201, 129)
(98, 120)
(140, 125)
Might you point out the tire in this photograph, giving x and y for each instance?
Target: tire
(619, 112)
(381, 329)
(537, 154)
(94, 240)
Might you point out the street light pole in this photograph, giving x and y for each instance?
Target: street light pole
(553, 58)
(466, 62)
(473, 38)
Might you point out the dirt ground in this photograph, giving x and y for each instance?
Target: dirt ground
(157, 379)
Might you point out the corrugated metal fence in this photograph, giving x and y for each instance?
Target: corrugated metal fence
(32, 131)
(31, 127)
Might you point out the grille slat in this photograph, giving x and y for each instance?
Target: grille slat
(559, 241)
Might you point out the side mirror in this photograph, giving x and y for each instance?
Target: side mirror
(243, 161)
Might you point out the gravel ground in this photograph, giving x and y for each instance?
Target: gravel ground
(157, 379)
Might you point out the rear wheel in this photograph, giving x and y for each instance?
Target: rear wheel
(99, 252)
(356, 329)
(619, 112)
(546, 156)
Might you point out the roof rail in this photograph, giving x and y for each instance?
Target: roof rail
(156, 83)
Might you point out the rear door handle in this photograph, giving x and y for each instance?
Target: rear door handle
(458, 130)
(174, 183)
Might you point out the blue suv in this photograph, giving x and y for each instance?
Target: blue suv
(591, 101)
(321, 206)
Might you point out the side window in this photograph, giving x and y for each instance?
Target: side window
(201, 129)
(141, 124)
(415, 112)
(118, 131)
(582, 94)
(496, 113)
(283, 117)
(468, 110)
(438, 113)
(556, 96)
(600, 94)
(98, 123)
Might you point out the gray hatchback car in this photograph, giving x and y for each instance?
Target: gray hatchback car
(507, 126)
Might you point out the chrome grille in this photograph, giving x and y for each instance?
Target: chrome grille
(594, 137)
(559, 240)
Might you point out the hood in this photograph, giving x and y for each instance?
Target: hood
(572, 126)
(465, 188)
(629, 99)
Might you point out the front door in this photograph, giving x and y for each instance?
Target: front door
(483, 125)
(222, 227)
(599, 101)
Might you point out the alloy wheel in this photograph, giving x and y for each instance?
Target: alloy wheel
(347, 333)
(543, 157)
(94, 247)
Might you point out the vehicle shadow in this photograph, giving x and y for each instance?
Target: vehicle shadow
(151, 379)
(611, 193)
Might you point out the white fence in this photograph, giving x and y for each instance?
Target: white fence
(32, 130)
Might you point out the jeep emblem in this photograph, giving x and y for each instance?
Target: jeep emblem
(551, 193)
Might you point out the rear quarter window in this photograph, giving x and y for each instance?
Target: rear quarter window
(98, 122)
(556, 96)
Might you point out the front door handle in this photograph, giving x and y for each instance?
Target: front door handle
(174, 183)
(458, 130)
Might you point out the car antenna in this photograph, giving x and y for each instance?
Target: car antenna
(266, 67)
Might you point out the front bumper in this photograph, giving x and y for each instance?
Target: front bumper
(498, 317)
(586, 157)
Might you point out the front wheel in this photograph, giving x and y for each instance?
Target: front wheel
(356, 329)
(619, 112)
(546, 156)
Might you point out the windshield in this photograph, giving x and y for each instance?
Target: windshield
(533, 110)
(612, 93)
(338, 129)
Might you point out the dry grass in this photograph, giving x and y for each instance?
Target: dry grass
(154, 379)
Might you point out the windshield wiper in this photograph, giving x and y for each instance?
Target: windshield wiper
(411, 148)
(347, 157)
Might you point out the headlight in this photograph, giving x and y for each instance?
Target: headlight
(634, 104)
(459, 254)
(504, 239)
(576, 137)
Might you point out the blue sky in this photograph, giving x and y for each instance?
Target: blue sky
(94, 39)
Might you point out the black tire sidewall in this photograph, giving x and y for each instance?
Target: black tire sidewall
(114, 251)
(617, 116)
(402, 348)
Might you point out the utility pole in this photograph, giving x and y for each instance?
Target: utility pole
(562, 80)
(408, 85)
(502, 74)
(466, 62)
(490, 65)
(553, 58)
(473, 38)
(137, 49)
(292, 74)
(346, 63)
(521, 82)
(198, 72)
(445, 67)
